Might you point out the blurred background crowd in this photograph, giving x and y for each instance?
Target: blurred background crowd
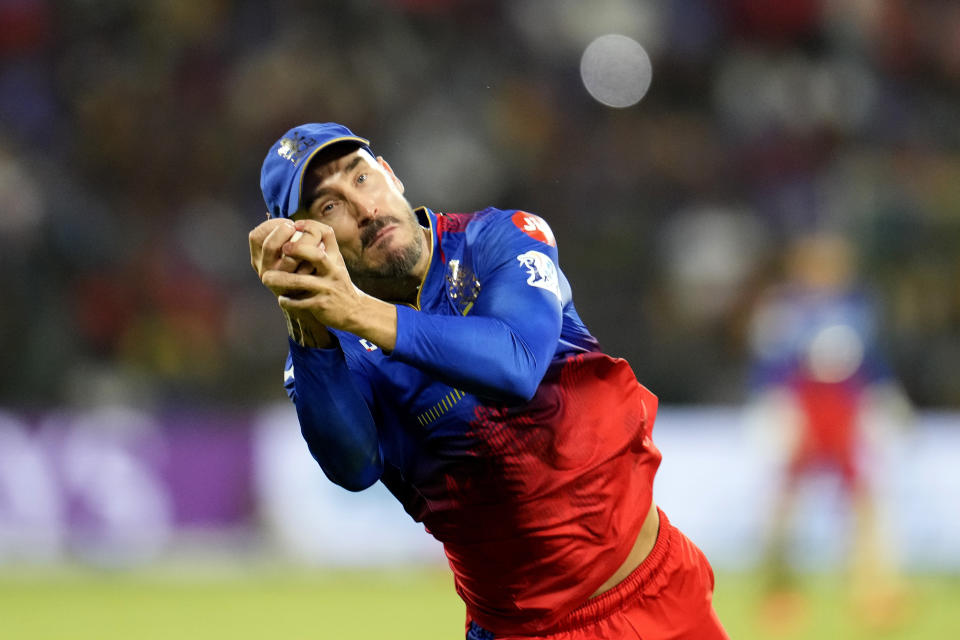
(132, 134)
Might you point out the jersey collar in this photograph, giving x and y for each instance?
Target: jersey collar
(426, 218)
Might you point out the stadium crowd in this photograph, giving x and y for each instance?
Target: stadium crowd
(131, 138)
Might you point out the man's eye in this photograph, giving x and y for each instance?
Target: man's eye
(361, 178)
(325, 207)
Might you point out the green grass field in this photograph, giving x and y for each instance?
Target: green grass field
(357, 605)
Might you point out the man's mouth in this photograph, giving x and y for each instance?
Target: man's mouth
(387, 230)
(377, 232)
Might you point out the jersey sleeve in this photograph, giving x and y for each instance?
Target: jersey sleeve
(503, 348)
(334, 415)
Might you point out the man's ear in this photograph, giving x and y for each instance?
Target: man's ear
(389, 170)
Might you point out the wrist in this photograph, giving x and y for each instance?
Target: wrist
(376, 321)
(315, 337)
(308, 332)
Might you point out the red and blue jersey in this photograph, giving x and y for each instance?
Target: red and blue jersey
(496, 421)
(822, 346)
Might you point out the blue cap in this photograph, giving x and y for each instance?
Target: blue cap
(281, 178)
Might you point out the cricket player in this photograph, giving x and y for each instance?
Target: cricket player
(441, 354)
(820, 379)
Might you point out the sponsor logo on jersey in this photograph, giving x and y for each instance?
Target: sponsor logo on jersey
(366, 344)
(541, 272)
(535, 227)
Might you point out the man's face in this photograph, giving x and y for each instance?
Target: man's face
(362, 200)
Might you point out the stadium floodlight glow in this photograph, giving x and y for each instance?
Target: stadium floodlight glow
(616, 70)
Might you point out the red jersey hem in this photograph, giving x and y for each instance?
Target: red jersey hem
(649, 577)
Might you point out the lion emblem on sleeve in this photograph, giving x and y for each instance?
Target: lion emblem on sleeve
(541, 272)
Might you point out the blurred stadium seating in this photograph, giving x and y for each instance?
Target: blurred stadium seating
(131, 136)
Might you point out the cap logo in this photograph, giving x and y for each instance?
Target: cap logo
(294, 149)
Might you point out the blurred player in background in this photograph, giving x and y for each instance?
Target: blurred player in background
(442, 355)
(821, 383)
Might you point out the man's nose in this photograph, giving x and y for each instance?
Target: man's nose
(367, 210)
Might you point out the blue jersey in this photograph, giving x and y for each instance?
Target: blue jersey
(496, 421)
(829, 337)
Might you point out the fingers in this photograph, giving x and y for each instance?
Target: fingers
(258, 233)
(306, 253)
(265, 242)
(288, 256)
(325, 234)
(290, 305)
(303, 249)
(310, 244)
(289, 284)
(291, 264)
(273, 248)
(315, 227)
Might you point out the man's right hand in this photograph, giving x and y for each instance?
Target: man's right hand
(266, 242)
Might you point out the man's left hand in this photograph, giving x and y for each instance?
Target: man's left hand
(329, 293)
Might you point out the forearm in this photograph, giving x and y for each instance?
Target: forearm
(481, 354)
(334, 418)
(373, 319)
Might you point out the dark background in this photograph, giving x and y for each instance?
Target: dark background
(131, 138)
